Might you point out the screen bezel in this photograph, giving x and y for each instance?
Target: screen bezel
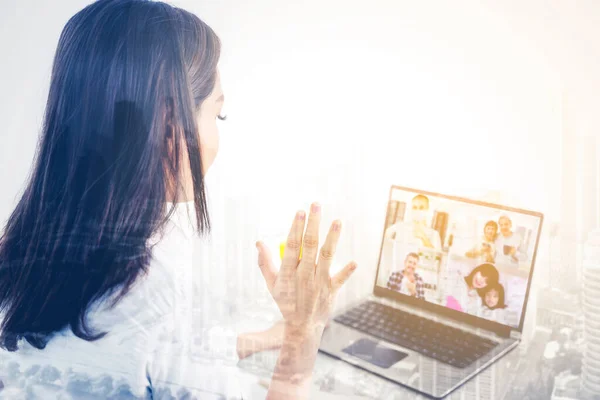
(479, 322)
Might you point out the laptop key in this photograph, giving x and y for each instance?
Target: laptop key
(488, 345)
(446, 344)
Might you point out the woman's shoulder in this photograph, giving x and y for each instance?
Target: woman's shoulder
(70, 367)
(133, 325)
(65, 371)
(133, 328)
(168, 275)
(154, 296)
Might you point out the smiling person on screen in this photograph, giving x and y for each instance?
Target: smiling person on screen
(493, 303)
(508, 244)
(465, 293)
(485, 250)
(415, 229)
(407, 281)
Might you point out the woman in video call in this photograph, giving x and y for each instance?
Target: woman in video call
(464, 293)
(95, 260)
(493, 303)
(485, 249)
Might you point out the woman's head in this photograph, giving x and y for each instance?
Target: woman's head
(482, 276)
(490, 230)
(129, 125)
(493, 296)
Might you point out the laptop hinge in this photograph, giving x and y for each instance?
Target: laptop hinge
(515, 335)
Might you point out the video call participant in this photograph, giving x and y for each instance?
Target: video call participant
(464, 294)
(485, 250)
(508, 244)
(415, 229)
(493, 303)
(408, 281)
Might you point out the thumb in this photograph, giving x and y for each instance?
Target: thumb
(265, 263)
(341, 277)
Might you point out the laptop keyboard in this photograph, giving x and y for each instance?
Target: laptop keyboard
(444, 343)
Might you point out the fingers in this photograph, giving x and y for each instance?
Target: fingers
(291, 254)
(341, 277)
(328, 251)
(265, 263)
(311, 237)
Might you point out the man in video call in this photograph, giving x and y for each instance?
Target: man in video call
(408, 281)
(415, 230)
(508, 244)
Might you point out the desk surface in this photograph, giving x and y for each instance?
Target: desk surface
(509, 378)
(335, 379)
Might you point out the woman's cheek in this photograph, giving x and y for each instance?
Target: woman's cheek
(209, 143)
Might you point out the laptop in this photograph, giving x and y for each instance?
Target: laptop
(450, 292)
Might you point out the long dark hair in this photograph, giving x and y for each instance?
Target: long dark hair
(128, 80)
(501, 296)
(488, 270)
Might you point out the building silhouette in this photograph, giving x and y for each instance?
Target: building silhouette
(591, 306)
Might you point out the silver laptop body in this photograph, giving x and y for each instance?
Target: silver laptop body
(417, 370)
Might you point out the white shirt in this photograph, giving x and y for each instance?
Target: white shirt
(404, 232)
(513, 240)
(497, 315)
(146, 353)
(404, 287)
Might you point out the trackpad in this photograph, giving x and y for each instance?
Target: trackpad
(374, 353)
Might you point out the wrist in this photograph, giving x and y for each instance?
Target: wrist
(302, 332)
(293, 371)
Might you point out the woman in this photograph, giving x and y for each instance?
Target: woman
(465, 293)
(95, 260)
(485, 250)
(493, 305)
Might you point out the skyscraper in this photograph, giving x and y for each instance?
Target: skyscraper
(557, 309)
(529, 327)
(591, 308)
(568, 200)
(590, 183)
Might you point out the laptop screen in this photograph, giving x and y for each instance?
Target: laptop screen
(471, 257)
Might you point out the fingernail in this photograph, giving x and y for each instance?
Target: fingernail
(300, 215)
(315, 208)
(353, 266)
(336, 226)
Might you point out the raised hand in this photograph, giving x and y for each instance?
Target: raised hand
(304, 292)
(419, 233)
(303, 289)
